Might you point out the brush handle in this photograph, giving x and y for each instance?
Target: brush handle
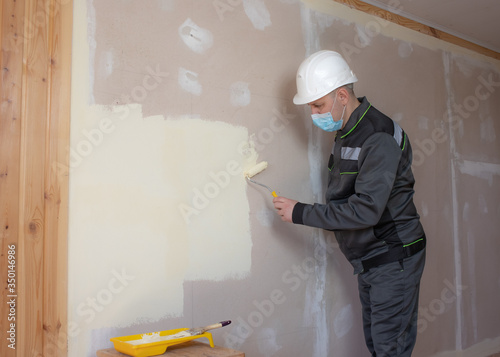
(217, 325)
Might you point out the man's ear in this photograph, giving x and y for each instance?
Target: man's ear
(344, 95)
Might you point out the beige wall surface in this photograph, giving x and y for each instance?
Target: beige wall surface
(173, 100)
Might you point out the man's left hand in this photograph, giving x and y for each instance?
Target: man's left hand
(285, 207)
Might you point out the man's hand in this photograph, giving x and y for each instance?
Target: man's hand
(284, 207)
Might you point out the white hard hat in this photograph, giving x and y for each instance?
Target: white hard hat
(321, 73)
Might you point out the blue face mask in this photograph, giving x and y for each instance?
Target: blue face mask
(325, 121)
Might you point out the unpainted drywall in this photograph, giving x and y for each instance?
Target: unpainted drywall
(173, 100)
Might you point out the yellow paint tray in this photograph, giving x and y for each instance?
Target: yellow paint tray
(154, 348)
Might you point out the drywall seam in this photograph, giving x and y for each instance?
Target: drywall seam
(392, 30)
(454, 197)
(313, 25)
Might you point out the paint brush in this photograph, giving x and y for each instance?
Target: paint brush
(198, 330)
(261, 166)
(155, 336)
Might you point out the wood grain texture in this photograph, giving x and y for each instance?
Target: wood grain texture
(10, 138)
(417, 26)
(34, 136)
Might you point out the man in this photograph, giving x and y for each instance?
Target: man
(369, 202)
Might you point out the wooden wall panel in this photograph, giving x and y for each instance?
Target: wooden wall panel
(35, 117)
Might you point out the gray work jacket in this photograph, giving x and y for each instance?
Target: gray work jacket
(369, 199)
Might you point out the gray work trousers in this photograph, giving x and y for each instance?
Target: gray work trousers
(389, 300)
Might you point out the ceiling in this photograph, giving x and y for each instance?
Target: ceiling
(473, 20)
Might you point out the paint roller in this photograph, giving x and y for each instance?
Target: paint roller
(261, 166)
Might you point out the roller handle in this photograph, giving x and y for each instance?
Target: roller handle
(274, 194)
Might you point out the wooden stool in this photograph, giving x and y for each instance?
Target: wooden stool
(187, 349)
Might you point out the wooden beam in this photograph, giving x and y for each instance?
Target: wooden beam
(417, 26)
(36, 37)
(12, 13)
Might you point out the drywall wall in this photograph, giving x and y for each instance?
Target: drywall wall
(173, 100)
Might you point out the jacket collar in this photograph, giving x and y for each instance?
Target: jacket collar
(355, 117)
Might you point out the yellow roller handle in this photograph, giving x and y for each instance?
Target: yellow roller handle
(274, 194)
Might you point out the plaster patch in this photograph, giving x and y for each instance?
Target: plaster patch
(166, 5)
(398, 116)
(188, 80)
(364, 39)
(482, 170)
(405, 49)
(465, 212)
(424, 209)
(487, 130)
(240, 94)
(196, 38)
(343, 321)
(266, 216)
(423, 122)
(257, 13)
(483, 205)
(267, 344)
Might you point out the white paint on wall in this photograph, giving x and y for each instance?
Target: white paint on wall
(198, 39)
(487, 130)
(166, 5)
(188, 80)
(363, 37)
(482, 170)
(266, 216)
(405, 49)
(267, 344)
(257, 13)
(397, 117)
(465, 212)
(343, 321)
(240, 94)
(423, 122)
(424, 209)
(483, 205)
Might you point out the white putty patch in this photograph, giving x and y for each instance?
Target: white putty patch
(166, 5)
(267, 344)
(482, 170)
(397, 117)
(257, 13)
(196, 38)
(424, 209)
(405, 49)
(314, 24)
(266, 216)
(465, 212)
(487, 130)
(240, 94)
(343, 321)
(483, 205)
(188, 80)
(363, 37)
(423, 122)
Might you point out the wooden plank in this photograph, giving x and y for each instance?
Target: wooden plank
(32, 179)
(10, 135)
(417, 26)
(188, 349)
(56, 184)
